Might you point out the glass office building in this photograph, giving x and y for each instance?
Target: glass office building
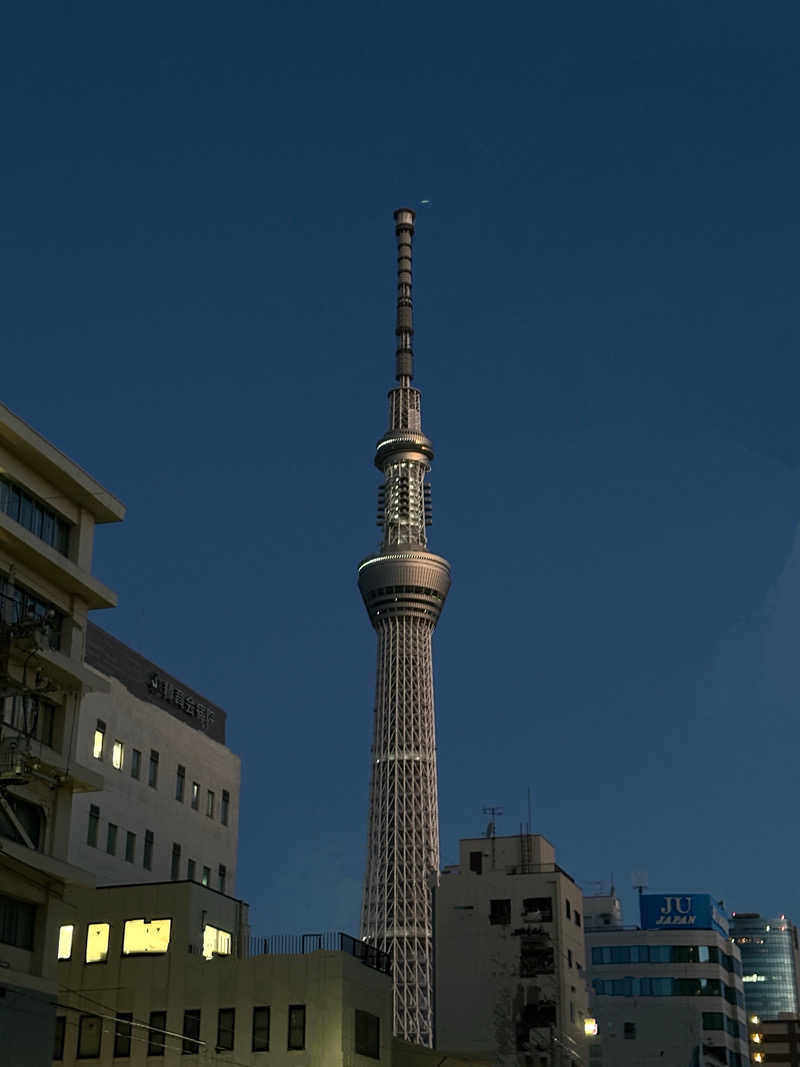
(769, 953)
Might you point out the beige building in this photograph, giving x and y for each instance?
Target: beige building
(510, 957)
(170, 970)
(49, 508)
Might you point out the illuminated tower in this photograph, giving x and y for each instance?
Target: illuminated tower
(404, 588)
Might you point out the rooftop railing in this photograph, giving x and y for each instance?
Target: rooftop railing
(302, 944)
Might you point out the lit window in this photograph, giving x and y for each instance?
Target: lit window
(97, 942)
(99, 739)
(756, 1038)
(117, 753)
(206, 878)
(590, 1027)
(65, 942)
(216, 942)
(141, 937)
(195, 795)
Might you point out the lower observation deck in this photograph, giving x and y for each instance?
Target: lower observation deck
(413, 582)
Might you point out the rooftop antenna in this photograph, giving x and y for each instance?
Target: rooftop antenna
(639, 880)
(493, 813)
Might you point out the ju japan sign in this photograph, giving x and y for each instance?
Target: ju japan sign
(681, 911)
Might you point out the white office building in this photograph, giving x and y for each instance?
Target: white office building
(169, 806)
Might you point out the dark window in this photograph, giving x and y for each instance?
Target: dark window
(297, 1027)
(226, 1028)
(223, 874)
(577, 917)
(190, 867)
(180, 782)
(175, 871)
(122, 1034)
(34, 516)
(368, 1034)
(111, 839)
(569, 909)
(536, 957)
(261, 1029)
(94, 822)
(136, 763)
(713, 1020)
(629, 1031)
(30, 818)
(191, 1031)
(21, 604)
(130, 846)
(538, 909)
(30, 716)
(206, 879)
(90, 1031)
(195, 795)
(210, 805)
(499, 912)
(155, 1033)
(224, 806)
(17, 922)
(152, 774)
(476, 862)
(569, 957)
(58, 1037)
(147, 855)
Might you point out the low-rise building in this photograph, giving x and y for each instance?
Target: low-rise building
(510, 955)
(775, 1041)
(670, 990)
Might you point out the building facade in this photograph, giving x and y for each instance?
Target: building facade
(775, 1040)
(404, 588)
(169, 807)
(151, 973)
(49, 508)
(770, 962)
(510, 956)
(670, 991)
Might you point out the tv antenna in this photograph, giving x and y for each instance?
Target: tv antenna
(639, 880)
(493, 812)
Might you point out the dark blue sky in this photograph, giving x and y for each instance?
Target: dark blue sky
(198, 281)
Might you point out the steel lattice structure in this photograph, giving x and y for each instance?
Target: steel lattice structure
(404, 588)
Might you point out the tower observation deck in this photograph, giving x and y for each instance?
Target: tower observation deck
(404, 587)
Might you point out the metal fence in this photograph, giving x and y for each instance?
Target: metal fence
(301, 944)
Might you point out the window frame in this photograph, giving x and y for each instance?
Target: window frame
(265, 1008)
(147, 851)
(296, 1011)
(365, 1039)
(229, 1031)
(122, 1040)
(180, 783)
(156, 1034)
(59, 1035)
(193, 1015)
(84, 1019)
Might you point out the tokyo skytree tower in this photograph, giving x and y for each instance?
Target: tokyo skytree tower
(404, 588)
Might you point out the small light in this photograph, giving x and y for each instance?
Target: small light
(590, 1027)
(756, 1038)
(755, 1019)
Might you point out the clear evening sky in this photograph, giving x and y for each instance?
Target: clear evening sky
(198, 299)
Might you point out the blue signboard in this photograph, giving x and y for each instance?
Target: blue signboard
(681, 911)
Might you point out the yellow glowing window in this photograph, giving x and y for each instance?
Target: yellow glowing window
(590, 1027)
(65, 942)
(216, 942)
(99, 739)
(142, 938)
(756, 1038)
(97, 942)
(758, 1057)
(117, 754)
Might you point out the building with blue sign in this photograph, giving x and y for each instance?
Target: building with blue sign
(670, 990)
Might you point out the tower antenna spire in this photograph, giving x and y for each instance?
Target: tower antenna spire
(404, 329)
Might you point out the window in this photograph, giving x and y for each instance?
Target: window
(155, 1033)
(27, 827)
(476, 862)
(368, 1034)
(30, 715)
(713, 1020)
(216, 942)
(569, 909)
(117, 755)
(569, 957)
(224, 807)
(111, 839)
(34, 516)
(499, 912)
(210, 805)
(577, 917)
(206, 875)
(90, 1031)
(538, 909)
(297, 1027)
(65, 935)
(94, 822)
(180, 782)
(223, 874)
(17, 921)
(261, 1029)
(226, 1026)
(97, 942)
(152, 774)
(142, 937)
(122, 1034)
(99, 740)
(130, 846)
(190, 866)
(195, 795)
(136, 763)
(191, 1031)
(175, 872)
(629, 1031)
(58, 1038)
(147, 855)
(22, 603)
